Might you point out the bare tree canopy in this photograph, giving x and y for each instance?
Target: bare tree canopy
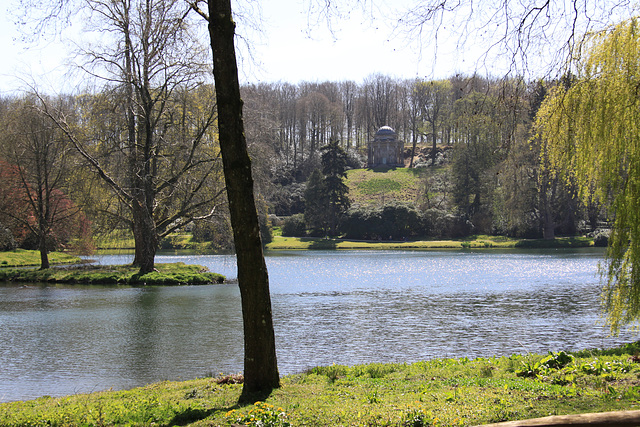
(529, 37)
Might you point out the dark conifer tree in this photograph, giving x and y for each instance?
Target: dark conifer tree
(316, 201)
(334, 169)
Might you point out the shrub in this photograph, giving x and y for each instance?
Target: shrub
(440, 223)
(294, 226)
(394, 220)
(601, 238)
(216, 231)
(7, 242)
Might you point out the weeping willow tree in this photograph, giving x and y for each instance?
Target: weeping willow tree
(590, 128)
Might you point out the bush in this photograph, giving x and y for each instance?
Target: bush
(289, 199)
(443, 224)
(265, 228)
(7, 242)
(216, 231)
(601, 238)
(294, 226)
(30, 242)
(396, 221)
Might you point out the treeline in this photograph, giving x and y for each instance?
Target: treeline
(150, 167)
(152, 163)
(493, 179)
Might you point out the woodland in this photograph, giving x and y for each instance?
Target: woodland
(467, 138)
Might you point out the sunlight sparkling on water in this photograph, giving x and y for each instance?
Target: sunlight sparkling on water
(343, 307)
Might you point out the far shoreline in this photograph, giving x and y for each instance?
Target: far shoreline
(473, 242)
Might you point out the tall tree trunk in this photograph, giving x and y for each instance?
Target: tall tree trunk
(260, 366)
(545, 194)
(413, 148)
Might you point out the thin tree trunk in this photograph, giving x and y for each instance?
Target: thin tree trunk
(433, 146)
(43, 227)
(546, 214)
(44, 254)
(413, 149)
(260, 365)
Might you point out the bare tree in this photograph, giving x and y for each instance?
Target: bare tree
(434, 96)
(151, 64)
(534, 37)
(43, 163)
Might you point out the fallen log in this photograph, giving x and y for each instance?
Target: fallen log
(617, 418)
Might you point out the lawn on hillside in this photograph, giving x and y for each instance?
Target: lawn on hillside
(382, 185)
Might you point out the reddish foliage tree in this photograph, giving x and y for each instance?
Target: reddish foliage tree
(70, 226)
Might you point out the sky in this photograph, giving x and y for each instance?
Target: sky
(359, 44)
(296, 44)
(292, 46)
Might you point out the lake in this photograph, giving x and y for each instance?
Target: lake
(343, 307)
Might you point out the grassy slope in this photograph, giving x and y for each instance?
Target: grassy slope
(435, 392)
(379, 186)
(24, 258)
(167, 274)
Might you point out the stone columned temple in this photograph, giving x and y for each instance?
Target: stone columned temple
(385, 149)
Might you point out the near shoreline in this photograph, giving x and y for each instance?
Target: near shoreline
(438, 392)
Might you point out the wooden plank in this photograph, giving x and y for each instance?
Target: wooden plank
(618, 418)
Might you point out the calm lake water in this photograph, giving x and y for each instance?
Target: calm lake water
(343, 307)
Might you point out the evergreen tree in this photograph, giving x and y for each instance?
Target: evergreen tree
(316, 201)
(334, 168)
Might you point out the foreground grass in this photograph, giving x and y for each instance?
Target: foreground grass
(177, 273)
(25, 258)
(438, 392)
(474, 242)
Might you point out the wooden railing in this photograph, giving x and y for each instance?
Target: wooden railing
(618, 418)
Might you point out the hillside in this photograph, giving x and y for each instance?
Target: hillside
(375, 187)
(379, 186)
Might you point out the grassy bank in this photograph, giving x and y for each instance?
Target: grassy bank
(475, 242)
(166, 274)
(438, 392)
(25, 258)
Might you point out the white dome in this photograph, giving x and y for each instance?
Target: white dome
(386, 130)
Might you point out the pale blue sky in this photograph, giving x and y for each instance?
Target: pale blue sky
(362, 44)
(290, 48)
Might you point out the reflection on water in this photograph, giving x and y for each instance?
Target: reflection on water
(329, 307)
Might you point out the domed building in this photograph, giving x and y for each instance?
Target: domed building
(385, 149)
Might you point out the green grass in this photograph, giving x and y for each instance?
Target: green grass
(473, 242)
(379, 186)
(167, 274)
(440, 392)
(24, 258)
